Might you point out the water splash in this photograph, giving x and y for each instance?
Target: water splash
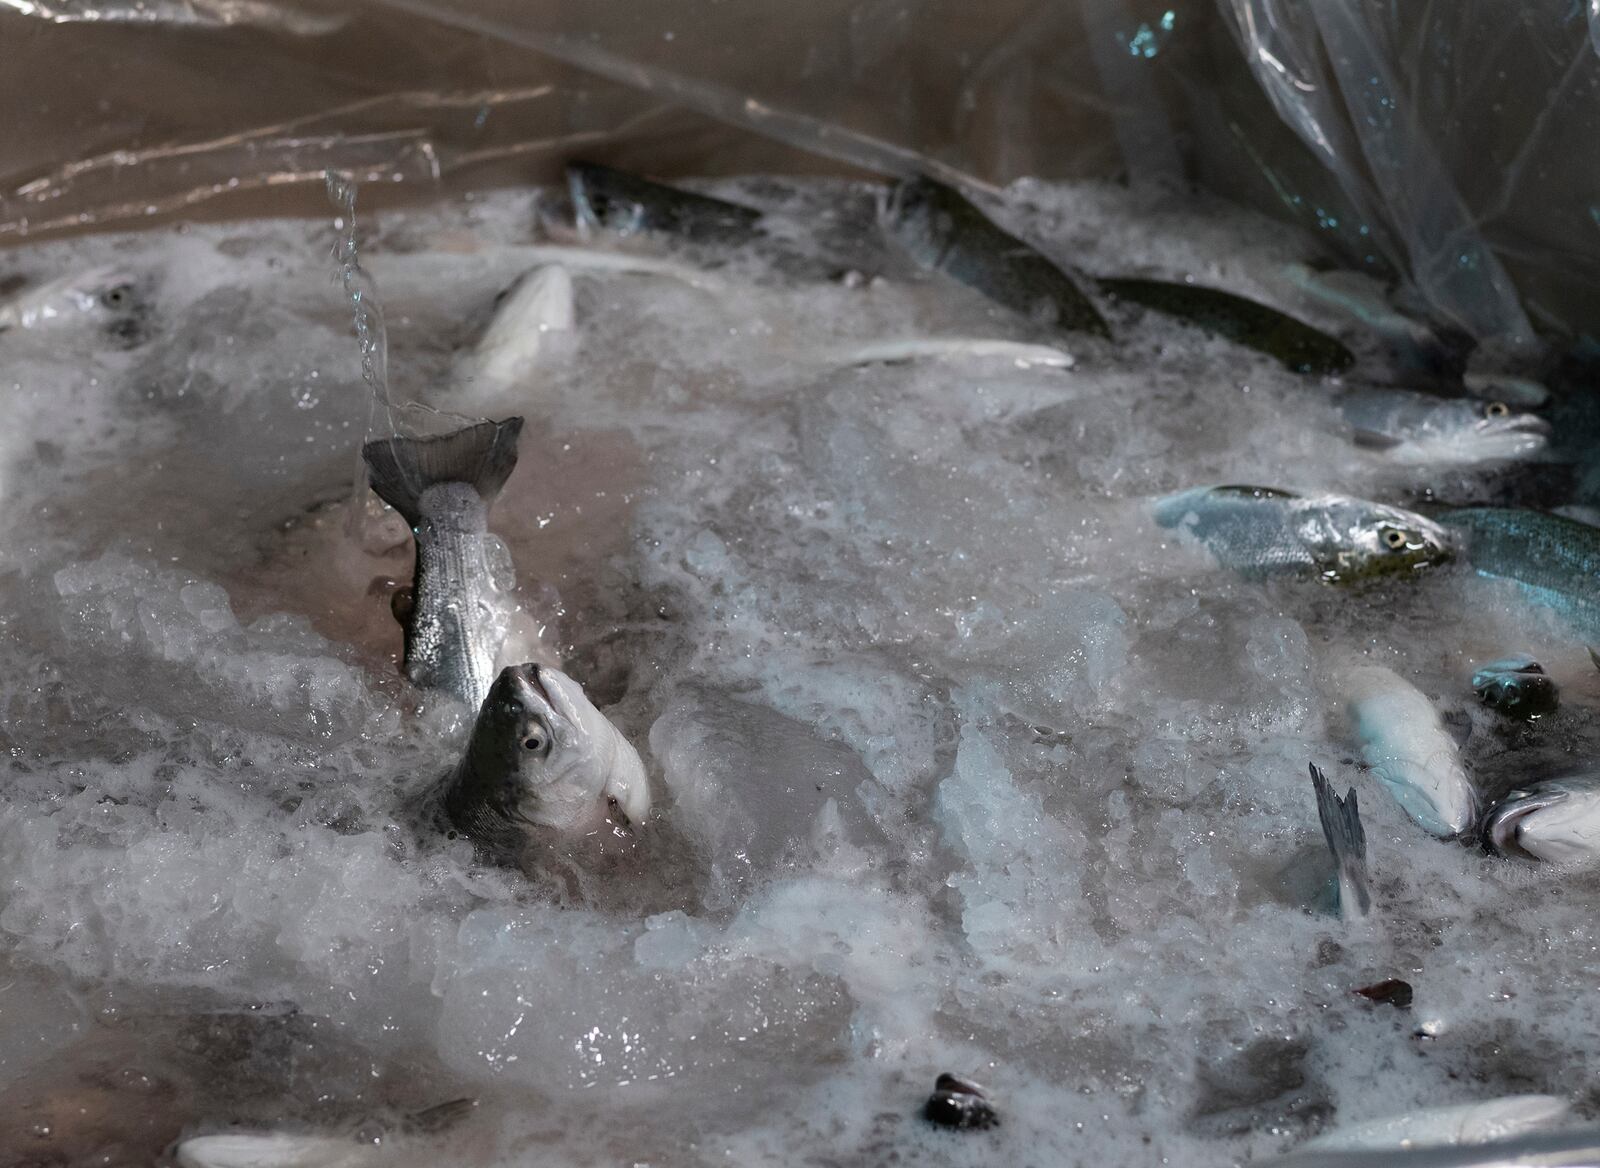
(362, 291)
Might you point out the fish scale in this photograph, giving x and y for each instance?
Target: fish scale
(1557, 560)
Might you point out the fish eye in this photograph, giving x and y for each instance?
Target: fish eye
(117, 297)
(1393, 538)
(1496, 409)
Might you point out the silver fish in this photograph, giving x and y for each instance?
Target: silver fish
(1420, 428)
(533, 311)
(371, 1145)
(107, 298)
(1262, 531)
(458, 612)
(1460, 1123)
(1557, 821)
(542, 756)
(1405, 744)
(1570, 1149)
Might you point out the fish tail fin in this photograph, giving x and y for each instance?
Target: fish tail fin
(482, 455)
(1341, 825)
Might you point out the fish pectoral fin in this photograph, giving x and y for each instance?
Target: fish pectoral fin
(440, 1116)
(1374, 439)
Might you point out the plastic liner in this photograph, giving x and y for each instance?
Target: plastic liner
(1450, 144)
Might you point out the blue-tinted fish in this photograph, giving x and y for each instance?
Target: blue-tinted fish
(1262, 531)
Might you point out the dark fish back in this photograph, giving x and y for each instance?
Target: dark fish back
(615, 196)
(1294, 344)
(943, 231)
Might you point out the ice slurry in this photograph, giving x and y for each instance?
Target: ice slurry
(970, 762)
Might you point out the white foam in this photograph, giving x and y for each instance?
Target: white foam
(960, 762)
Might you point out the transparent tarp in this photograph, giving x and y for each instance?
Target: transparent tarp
(1451, 144)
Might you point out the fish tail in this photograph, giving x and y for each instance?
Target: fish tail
(481, 455)
(1341, 824)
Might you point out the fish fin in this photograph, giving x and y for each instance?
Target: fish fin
(482, 455)
(1593, 656)
(1341, 824)
(1373, 439)
(440, 1116)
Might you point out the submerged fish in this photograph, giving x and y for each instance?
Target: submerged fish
(1572, 1149)
(1261, 531)
(1405, 744)
(1294, 344)
(1018, 353)
(1341, 827)
(1417, 351)
(371, 1145)
(537, 306)
(459, 609)
(542, 756)
(944, 232)
(1461, 1123)
(615, 200)
(1556, 560)
(1517, 687)
(1557, 821)
(1421, 428)
(108, 298)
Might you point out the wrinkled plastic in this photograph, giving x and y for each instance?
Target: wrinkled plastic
(1450, 144)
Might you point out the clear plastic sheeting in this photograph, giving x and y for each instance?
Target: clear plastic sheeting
(1451, 145)
(205, 13)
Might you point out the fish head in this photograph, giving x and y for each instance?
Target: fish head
(1518, 687)
(599, 201)
(1494, 430)
(561, 762)
(1352, 539)
(1556, 821)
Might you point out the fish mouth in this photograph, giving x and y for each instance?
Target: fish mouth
(1531, 424)
(1505, 821)
(528, 675)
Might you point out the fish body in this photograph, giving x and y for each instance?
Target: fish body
(536, 308)
(459, 610)
(942, 231)
(369, 1146)
(1294, 344)
(1017, 353)
(1463, 1123)
(107, 298)
(1418, 351)
(1347, 841)
(1421, 429)
(276, 1150)
(614, 200)
(1518, 687)
(1555, 559)
(1557, 821)
(1569, 1149)
(1262, 531)
(1405, 744)
(543, 757)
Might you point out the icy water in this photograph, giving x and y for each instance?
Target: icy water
(960, 762)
